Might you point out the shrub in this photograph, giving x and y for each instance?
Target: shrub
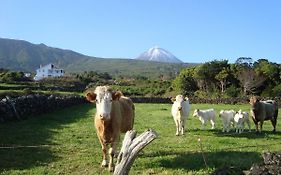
(232, 91)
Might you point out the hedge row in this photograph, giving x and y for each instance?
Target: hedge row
(24, 106)
(195, 100)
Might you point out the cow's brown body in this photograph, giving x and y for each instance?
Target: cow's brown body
(121, 120)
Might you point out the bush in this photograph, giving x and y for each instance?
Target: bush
(200, 94)
(232, 91)
(27, 91)
(276, 91)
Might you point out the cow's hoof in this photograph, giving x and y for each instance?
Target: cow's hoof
(111, 169)
(104, 163)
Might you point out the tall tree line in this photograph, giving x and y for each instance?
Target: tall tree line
(222, 79)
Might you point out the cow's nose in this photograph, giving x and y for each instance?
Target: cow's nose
(104, 116)
(180, 108)
(101, 117)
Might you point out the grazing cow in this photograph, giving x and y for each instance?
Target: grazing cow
(263, 110)
(180, 112)
(227, 117)
(114, 114)
(205, 116)
(240, 118)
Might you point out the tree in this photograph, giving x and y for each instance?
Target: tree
(269, 69)
(205, 74)
(185, 83)
(222, 78)
(247, 76)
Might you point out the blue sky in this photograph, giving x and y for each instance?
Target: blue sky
(195, 31)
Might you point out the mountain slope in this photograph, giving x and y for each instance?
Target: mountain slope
(24, 56)
(158, 55)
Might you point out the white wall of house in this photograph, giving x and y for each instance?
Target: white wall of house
(49, 70)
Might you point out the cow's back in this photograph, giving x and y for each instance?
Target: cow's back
(186, 109)
(271, 110)
(127, 110)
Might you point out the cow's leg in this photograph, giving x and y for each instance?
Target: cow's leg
(111, 153)
(227, 127)
(182, 127)
(104, 159)
(261, 123)
(256, 123)
(177, 127)
(213, 124)
(203, 125)
(249, 125)
(273, 122)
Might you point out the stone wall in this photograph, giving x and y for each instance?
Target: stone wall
(25, 106)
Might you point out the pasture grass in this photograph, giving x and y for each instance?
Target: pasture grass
(65, 142)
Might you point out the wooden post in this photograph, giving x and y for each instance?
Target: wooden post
(130, 148)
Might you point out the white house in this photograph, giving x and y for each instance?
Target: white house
(49, 70)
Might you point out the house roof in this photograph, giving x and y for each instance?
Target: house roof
(54, 67)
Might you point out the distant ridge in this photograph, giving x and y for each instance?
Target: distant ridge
(24, 56)
(158, 54)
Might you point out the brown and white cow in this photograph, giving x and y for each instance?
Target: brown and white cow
(263, 110)
(114, 115)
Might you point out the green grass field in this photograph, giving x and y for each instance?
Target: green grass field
(65, 142)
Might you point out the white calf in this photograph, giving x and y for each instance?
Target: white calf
(227, 117)
(180, 112)
(240, 118)
(205, 116)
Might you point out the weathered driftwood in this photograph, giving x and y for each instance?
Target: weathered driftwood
(130, 148)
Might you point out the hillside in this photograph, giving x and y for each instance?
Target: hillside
(24, 56)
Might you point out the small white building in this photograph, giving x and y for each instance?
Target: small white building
(49, 70)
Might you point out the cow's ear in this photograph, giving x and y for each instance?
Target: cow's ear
(173, 99)
(186, 99)
(257, 99)
(252, 100)
(91, 96)
(116, 95)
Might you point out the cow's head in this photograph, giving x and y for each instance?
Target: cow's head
(179, 101)
(195, 113)
(103, 96)
(253, 102)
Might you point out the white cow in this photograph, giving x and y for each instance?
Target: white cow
(205, 116)
(240, 118)
(227, 117)
(180, 111)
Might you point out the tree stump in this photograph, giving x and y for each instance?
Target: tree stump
(130, 148)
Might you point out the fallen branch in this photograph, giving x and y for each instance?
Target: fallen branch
(130, 149)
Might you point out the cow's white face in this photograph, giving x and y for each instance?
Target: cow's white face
(103, 104)
(195, 113)
(103, 96)
(179, 102)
